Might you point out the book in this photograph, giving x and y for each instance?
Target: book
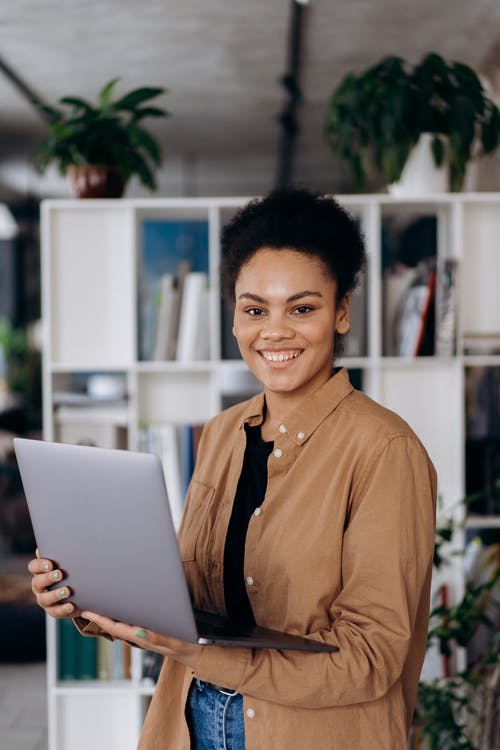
(193, 340)
(117, 660)
(446, 308)
(409, 320)
(86, 657)
(149, 318)
(162, 439)
(414, 316)
(166, 326)
(176, 445)
(426, 334)
(77, 653)
(396, 284)
(170, 457)
(104, 659)
(67, 650)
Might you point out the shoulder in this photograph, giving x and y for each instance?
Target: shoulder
(373, 430)
(373, 419)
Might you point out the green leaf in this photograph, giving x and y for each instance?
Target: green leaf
(490, 129)
(53, 114)
(141, 139)
(77, 103)
(139, 114)
(106, 93)
(438, 153)
(133, 98)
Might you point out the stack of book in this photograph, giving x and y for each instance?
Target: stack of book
(176, 445)
(88, 658)
(175, 318)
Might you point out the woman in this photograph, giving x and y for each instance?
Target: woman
(311, 510)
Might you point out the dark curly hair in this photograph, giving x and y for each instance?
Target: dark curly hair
(294, 219)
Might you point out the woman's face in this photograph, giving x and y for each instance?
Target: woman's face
(285, 319)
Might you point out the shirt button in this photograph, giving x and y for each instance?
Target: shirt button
(250, 580)
(257, 512)
(278, 452)
(250, 713)
(300, 435)
(282, 428)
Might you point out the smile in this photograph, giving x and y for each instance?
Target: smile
(280, 356)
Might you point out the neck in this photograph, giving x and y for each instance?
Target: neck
(278, 406)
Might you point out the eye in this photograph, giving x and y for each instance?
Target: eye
(302, 309)
(254, 311)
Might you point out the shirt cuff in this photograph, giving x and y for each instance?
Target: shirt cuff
(90, 628)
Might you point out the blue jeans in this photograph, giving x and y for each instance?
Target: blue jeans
(215, 718)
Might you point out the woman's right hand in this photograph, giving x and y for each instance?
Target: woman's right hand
(53, 601)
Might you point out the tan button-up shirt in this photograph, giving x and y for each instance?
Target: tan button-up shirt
(341, 552)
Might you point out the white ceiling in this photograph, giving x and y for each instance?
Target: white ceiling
(222, 61)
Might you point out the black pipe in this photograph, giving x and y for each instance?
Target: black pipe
(28, 93)
(290, 80)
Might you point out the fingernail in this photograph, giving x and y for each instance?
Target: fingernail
(55, 575)
(68, 608)
(46, 566)
(141, 633)
(62, 592)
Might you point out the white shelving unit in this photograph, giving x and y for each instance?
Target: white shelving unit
(91, 274)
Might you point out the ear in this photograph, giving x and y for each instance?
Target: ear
(342, 316)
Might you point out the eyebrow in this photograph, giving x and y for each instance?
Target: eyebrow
(293, 298)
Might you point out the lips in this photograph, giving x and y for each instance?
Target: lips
(281, 356)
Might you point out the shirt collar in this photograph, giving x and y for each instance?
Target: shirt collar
(304, 420)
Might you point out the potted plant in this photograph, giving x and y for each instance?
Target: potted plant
(99, 147)
(375, 118)
(459, 711)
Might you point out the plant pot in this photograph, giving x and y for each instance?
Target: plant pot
(420, 175)
(93, 181)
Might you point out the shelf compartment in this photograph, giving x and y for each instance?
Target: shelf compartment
(88, 278)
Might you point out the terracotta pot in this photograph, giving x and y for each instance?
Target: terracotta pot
(95, 182)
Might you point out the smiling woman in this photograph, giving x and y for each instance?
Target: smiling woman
(285, 320)
(310, 511)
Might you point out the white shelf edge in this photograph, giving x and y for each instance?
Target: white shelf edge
(86, 687)
(483, 522)
(95, 687)
(64, 367)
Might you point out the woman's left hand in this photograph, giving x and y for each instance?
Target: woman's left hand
(187, 653)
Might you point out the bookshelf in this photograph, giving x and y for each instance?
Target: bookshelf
(101, 260)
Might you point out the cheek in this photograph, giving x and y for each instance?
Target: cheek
(241, 332)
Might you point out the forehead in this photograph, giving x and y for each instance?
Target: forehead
(288, 261)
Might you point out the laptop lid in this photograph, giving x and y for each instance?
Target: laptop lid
(103, 516)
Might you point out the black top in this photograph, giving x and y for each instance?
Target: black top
(249, 495)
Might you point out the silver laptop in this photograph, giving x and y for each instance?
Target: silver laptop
(103, 516)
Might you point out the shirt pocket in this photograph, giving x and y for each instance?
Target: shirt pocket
(197, 506)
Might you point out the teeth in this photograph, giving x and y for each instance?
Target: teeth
(279, 357)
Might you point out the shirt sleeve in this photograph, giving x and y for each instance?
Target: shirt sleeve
(386, 566)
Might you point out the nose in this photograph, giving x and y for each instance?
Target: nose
(276, 329)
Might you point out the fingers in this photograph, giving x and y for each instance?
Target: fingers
(39, 565)
(52, 600)
(136, 636)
